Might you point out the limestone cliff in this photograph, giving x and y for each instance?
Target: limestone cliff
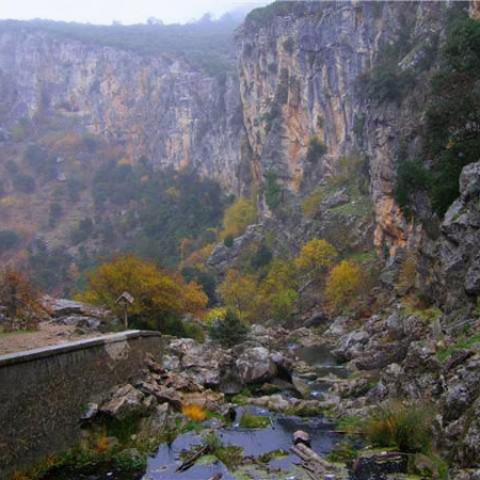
(300, 69)
(153, 105)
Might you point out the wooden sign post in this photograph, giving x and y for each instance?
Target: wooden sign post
(125, 299)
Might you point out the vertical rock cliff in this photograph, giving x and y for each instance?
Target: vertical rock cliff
(301, 66)
(153, 105)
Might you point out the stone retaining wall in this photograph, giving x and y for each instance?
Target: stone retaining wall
(43, 392)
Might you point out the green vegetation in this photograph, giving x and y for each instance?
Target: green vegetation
(249, 420)
(451, 134)
(273, 191)
(472, 341)
(261, 17)
(228, 331)
(406, 427)
(316, 150)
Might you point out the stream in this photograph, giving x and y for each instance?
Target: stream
(255, 442)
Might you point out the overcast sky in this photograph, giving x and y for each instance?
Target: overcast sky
(124, 11)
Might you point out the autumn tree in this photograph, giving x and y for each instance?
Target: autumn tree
(315, 257)
(237, 217)
(343, 284)
(239, 293)
(19, 301)
(279, 290)
(158, 295)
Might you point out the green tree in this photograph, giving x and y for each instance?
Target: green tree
(229, 331)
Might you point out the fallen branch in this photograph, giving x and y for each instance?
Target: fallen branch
(191, 461)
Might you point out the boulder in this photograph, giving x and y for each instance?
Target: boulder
(350, 345)
(256, 365)
(126, 401)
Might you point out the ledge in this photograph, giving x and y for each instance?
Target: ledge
(30, 355)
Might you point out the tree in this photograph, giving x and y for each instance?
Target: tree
(279, 290)
(158, 295)
(237, 217)
(239, 293)
(315, 256)
(229, 331)
(20, 301)
(343, 284)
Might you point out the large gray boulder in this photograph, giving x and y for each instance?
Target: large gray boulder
(256, 365)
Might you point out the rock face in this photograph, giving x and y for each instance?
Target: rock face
(455, 256)
(152, 105)
(299, 78)
(299, 65)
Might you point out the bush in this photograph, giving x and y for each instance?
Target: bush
(237, 217)
(316, 150)
(229, 331)
(262, 257)
(412, 177)
(228, 241)
(273, 192)
(406, 427)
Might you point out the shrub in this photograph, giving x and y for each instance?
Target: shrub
(316, 150)
(273, 191)
(228, 241)
(229, 331)
(237, 217)
(412, 177)
(262, 257)
(406, 427)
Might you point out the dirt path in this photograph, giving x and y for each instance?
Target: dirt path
(47, 334)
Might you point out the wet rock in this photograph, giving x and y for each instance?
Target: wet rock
(378, 466)
(126, 401)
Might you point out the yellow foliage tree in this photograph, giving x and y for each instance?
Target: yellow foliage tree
(237, 217)
(343, 284)
(157, 294)
(315, 256)
(279, 290)
(239, 293)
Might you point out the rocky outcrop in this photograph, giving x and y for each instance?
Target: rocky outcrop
(454, 258)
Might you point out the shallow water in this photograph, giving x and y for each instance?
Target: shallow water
(254, 443)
